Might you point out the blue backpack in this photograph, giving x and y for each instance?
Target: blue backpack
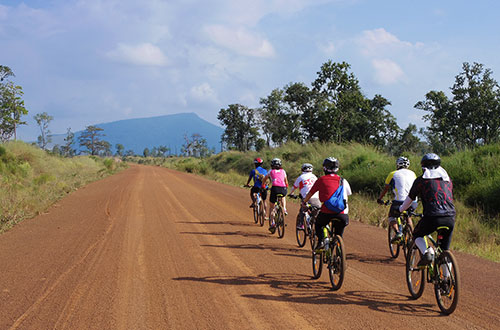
(336, 202)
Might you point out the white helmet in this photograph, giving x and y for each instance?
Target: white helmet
(402, 162)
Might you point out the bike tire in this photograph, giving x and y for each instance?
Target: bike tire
(312, 236)
(256, 213)
(415, 276)
(447, 293)
(393, 247)
(280, 223)
(407, 237)
(300, 234)
(337, 262)
(262, 214)
(317, 263)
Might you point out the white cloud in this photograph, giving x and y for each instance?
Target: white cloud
(203, 92)
(387, 72)
(240, 41)
(375, 42)
(328, 48)
(141, 54)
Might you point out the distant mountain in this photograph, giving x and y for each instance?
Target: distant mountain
(169, 130)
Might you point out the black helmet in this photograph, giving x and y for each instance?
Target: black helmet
(331, 165)
(276, 162)
(402, 162)
(306, 167)
(430, 160)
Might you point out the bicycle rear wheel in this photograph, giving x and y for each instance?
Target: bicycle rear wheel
(393, 247)
(337, 262)
(312, 235)
(407, 237)
(447, 288)
(300, 233)
(256, 212)
(415, 276)
(261, 213)
(317, 263)
(280, 223)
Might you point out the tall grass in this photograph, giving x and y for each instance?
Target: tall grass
(31, 179)
(475, 175)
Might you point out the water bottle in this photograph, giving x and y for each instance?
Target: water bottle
(326, 243)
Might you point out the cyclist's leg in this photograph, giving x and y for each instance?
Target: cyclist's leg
(449, 222)
(284, 191)
(393, 216)
(272, 200)
(425, 226)
(340, 222)
(263, 194)
(253, 191)
(321, 221)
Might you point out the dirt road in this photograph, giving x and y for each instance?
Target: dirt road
(151, 248)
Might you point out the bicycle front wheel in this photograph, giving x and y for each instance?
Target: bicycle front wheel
(300, 232)
(393, 247)
(312, 235)
(415, 276)
(317, 263)
(280, 223)
(407, 237)
(447, 285)
(337, 262)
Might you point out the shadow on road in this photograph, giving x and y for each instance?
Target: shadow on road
(278, 249)
(296, 288)
(374, 259)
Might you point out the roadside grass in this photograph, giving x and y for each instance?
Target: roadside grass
(475, 176)
(31, 179)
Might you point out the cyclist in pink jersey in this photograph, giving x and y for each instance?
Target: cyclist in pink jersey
(279, 183)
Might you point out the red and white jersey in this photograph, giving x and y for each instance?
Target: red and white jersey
(304, 183)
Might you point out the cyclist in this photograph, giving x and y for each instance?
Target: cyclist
(257, 174)
(304, 183)
(326, 186)
(279, 183)
(400, 181)
(435, 189)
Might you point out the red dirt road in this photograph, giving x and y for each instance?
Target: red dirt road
(151, 248)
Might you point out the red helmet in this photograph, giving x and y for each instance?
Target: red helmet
(258, 161)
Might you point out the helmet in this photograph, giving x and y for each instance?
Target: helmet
(331, 165)
(258, 161)
(276, 162)
(306, 167)
(402, 162)
(430, 160)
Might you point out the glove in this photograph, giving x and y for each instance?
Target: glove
(381, 202)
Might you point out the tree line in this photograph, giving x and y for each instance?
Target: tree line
(334, 109)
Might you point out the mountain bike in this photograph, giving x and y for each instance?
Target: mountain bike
(332, 254)
(405, 228)
(306, 227)
(442, 272)
(258, 209)
(279, 216)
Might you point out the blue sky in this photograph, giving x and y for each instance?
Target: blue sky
(93, 61)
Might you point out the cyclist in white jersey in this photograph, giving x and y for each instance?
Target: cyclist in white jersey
(400, 181)
(304, 183)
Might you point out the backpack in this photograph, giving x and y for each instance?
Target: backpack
(259, 175)
(336, 202)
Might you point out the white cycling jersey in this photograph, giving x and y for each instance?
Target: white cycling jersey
(304, 183)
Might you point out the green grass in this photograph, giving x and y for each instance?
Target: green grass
(475, 175)
(31, 179)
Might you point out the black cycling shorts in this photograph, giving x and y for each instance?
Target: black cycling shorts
(275, 191)
(339, 221)
(427, 225)
(263, 192)
(394, 209)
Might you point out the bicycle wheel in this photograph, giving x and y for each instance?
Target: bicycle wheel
(312, 235)
(300, 233)
(337, 262)
(415, 276)
(447, 288)
(317, 263)
(256, 213)
(393, 247)
(262, 214)
(280, 223)
(407, 236)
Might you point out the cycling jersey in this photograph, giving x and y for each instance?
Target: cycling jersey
(436, 195)
(278, 177)
(400, 182)
(257, 175)
(304, 183)
(326, 186)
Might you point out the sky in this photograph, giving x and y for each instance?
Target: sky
(93, 61)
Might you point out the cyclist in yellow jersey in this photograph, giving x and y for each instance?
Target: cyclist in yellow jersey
(400, 181)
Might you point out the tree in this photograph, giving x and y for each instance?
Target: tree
(470, 118)
(196, 146)
(67, 149)
(162, 150)
(43, 119)
(240, 131)
(119, 149)
(11, 105)
(146, 152)
(91, 139)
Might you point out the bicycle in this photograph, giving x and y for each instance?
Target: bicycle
(305, 228)
(405, 228)
(258, 209)
(333, 254)
(446, 287)
(279, 216)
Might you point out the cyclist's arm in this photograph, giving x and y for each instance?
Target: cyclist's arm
(264, 180)
(311, 192)
(406, 204)
(249, 178)
(384, 191)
